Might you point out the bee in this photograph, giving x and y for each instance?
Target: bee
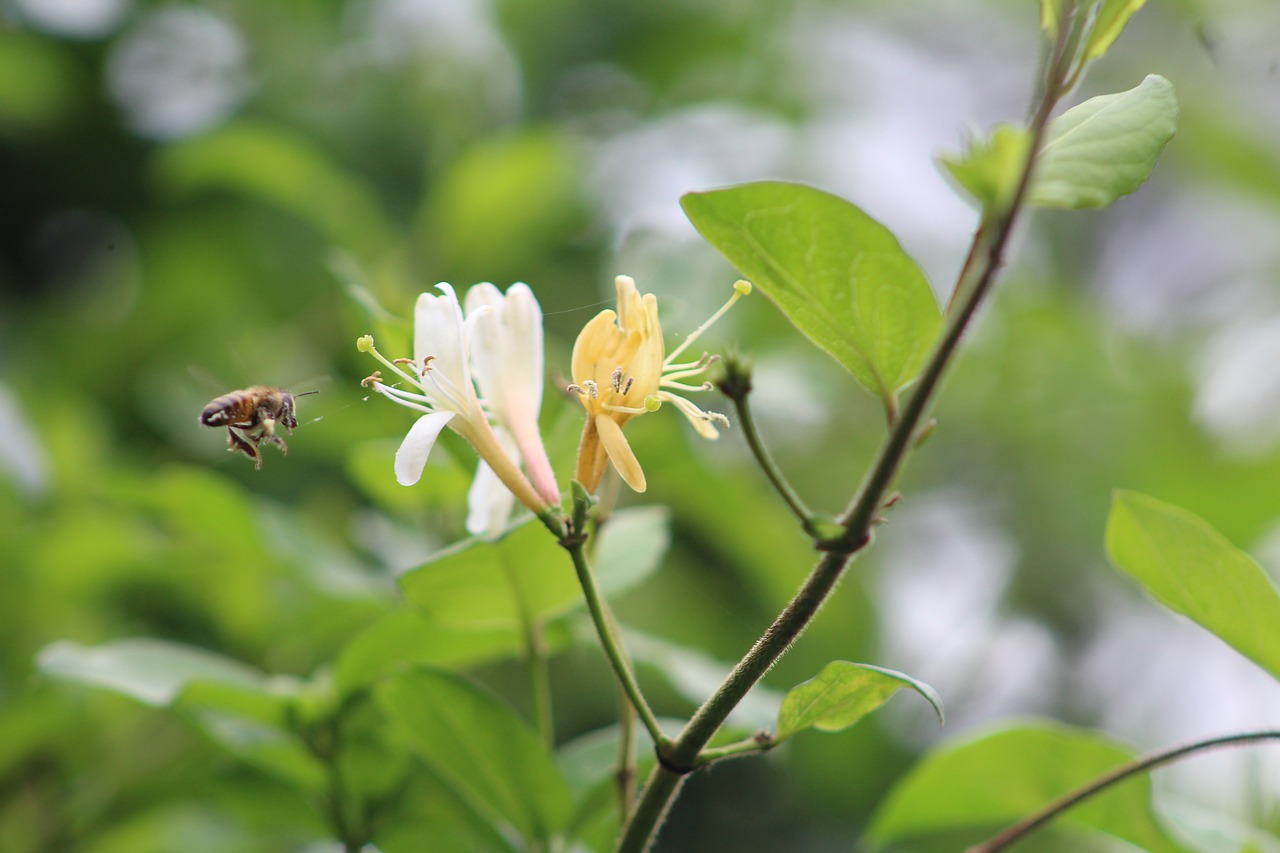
(251, 416)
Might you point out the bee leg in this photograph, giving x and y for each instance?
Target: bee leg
(278, 442)
(240, 443)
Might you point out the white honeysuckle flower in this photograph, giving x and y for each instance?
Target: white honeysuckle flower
(489, 502)
(507, 363)
(439, 383)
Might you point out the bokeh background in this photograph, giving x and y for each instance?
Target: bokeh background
(200, 196)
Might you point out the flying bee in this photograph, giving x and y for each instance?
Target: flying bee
(251, 416)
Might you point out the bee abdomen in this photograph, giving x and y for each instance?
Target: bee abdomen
(223, 410)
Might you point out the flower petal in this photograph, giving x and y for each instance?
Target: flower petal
(489, 501)
(438, 331)
(411, 458)
(620, 452)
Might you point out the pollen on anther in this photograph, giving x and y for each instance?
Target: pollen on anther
(617, 378)
(593, 390)
(426, 363)
(626, 389)
(372, 379)
(402, 361)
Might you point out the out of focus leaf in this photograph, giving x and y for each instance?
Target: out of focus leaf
(840, 276)
(842, 694)
(1112, 16)
(407, 636)
(489, 584)
(631, 547)
(989, 169)
(475, 742)
(38, 83)
(504, 205)
(151, 671)
(1106, 147)
(994, 779)
(1192, 569)
(270, 164)
(696, 676)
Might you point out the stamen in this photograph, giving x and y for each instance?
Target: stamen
(426, 363)
(627, 388)
(705, 386)
(593, 390)
(372, 379)
(740, 289)
(402, 361)
(575, 389)
(617, 378)
(365, 344)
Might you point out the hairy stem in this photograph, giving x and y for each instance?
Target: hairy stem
(1026, 826)
(984, 260)
(607, 631)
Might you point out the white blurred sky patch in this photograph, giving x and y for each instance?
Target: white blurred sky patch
(941, 576)
(23, 459)
(84, 19)
(180, 70)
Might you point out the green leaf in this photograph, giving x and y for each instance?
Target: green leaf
(841, 277)
(487, 584)
(153, 672)
(842, 694)
(1107, 26)
(477, 744)
(1192, 569)
(408, 636)
(989, 169)
(1106, 147)
(1050, 15)
(990, 781)
(631, 547)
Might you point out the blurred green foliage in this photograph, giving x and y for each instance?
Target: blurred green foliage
(302, 186)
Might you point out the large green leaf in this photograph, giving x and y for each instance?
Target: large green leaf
(153, 672)
(1106, 147)
(490, 584)
(995, 779)
(841, 277)
(1192, 569)
(842, 694)
(477, 744)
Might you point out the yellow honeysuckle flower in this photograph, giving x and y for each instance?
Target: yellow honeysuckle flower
(620, 371)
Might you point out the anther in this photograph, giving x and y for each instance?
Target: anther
(402, 361)
(617, 378)
(626, 389)
(426, 363)
(593, 390)
(574, 389)
(372, 379)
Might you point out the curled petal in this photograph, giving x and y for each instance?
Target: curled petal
(411, 458)
(620, 452)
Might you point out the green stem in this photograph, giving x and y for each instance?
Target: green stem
(607, 631)
(762, 742)
(679, 756)
(626, 772)
(1025, 827)
(748, 424)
